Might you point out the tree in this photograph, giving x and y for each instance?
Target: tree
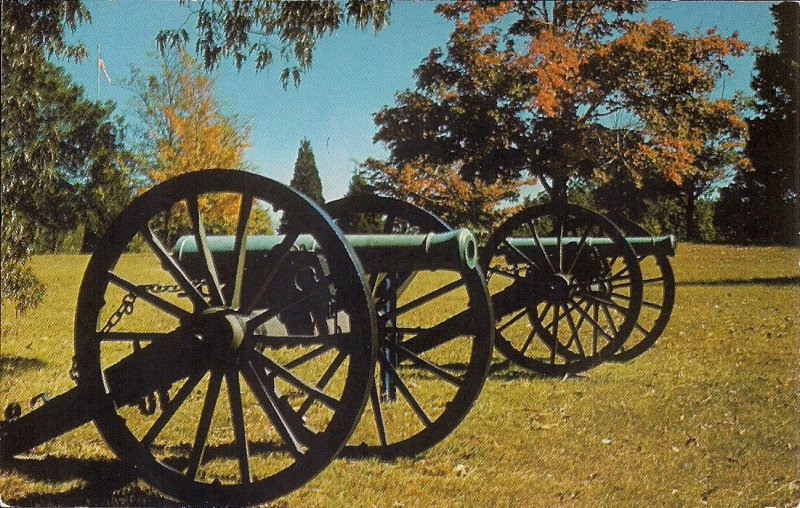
(440, 189)
(362, 223)
(761, 206)
(62, 156)
(306, 177)
(238, 29)
(565, 89)
(183, 129)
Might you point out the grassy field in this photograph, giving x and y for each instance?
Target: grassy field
(709, 416)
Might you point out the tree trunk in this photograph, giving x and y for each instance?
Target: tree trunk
(89, 240)
(691, 222)
(54, 240)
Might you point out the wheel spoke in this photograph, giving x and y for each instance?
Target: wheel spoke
(554, 333)
(557, 316)
(424, 299)
(645, 303)
(274, 260)
(582, 317)
(406, 393)
(597, 299)
(595, 329)
(559, 219)
(575, 337)
(237, 422)
(174, 269)
(642, 329)
(133, 336)
(215, 288)
(595, 323)
(610, 319)
(424, 364)
(240, 249)
(275, 369)
(203, 426)
(521, 254)
(267, 400)
(513, 320)
(581, 244)
(652, 280)
(538, 243)
(172, 406)
(307, 357)
(147, 296)
(323, 381)
(377, 414)
(528, 341)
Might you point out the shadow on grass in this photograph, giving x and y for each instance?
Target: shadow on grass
(507, 370)
(775, 281)
(103, 482)
(19, 364)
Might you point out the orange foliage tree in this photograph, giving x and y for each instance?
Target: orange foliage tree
(564, 89)
(478, 204)
(185, 130)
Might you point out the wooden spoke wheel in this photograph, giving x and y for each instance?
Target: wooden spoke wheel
(566, 288)
(200, 387)
(435, 338)
(658, 296)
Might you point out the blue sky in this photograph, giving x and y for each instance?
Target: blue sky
(354, 74)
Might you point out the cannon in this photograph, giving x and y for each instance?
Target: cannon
(658, 292)
(443, 318)
(365, 330)
(283, 326)
(561, 277)
(570, 290)
(444, 359)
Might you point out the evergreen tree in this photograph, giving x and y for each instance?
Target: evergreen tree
(306, 177)
(761, 206)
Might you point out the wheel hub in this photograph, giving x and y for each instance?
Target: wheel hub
(221, 330)
(554, 288)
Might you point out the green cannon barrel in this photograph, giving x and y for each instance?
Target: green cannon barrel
(643, 245)
(455, 250)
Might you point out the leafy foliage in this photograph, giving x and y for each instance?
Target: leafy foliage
(239, 29)
(63, 161)
(306, 177)
(761, 206)
(442, 190)
(362, 223)
(567, 89)
(183, 130)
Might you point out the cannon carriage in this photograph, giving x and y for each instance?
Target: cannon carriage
(286, 331)
(242, 361)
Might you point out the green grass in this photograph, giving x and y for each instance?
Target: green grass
(708, 416)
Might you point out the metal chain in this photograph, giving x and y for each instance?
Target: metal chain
(125, 309)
